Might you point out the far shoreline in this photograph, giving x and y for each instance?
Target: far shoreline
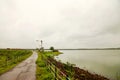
(63, 49)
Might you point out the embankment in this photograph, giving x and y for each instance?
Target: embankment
(53, 69)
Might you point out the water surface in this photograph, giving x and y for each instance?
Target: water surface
(103, 62)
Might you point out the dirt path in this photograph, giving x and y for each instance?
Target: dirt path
(24, 71)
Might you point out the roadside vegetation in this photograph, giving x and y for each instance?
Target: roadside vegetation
(50, 69)
(43, 72)
(10, 58)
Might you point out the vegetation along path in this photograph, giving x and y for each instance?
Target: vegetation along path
(24, 71)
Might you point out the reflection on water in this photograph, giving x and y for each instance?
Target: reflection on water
(103, 62)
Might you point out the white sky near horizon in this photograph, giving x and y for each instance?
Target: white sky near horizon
(60, 23)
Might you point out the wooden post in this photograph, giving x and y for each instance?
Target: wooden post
(6, 61)
(55, 73)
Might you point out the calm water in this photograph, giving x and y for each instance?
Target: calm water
(103, 62)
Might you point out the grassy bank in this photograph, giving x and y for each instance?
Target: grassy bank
(10, 58)
(49, 69)
(42, 72)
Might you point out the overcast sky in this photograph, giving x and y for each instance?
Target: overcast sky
(60, 23)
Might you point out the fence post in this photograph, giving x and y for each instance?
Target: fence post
(55, 73)
(6, 61)
(67, 77)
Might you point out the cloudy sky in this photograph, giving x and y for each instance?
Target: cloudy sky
(60, 23)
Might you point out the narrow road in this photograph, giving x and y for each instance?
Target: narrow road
(24, 71)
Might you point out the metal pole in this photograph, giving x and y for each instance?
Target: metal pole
(41, 43)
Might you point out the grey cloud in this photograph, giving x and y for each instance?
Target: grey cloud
(61, 23)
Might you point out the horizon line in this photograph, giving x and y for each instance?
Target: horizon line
(68, 48)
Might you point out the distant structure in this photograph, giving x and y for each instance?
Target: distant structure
(40, 42)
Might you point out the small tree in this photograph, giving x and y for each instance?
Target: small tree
(52, 48)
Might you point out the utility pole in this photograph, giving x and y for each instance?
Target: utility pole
(42, 48)
(40, 42)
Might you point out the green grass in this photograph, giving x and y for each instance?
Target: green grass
(42, 72)
(10, 58)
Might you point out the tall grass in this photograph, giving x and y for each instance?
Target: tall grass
(42, 72)
(10, 58)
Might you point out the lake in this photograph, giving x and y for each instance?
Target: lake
(102, 62)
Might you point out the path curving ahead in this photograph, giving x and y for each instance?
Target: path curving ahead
(26, 70)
